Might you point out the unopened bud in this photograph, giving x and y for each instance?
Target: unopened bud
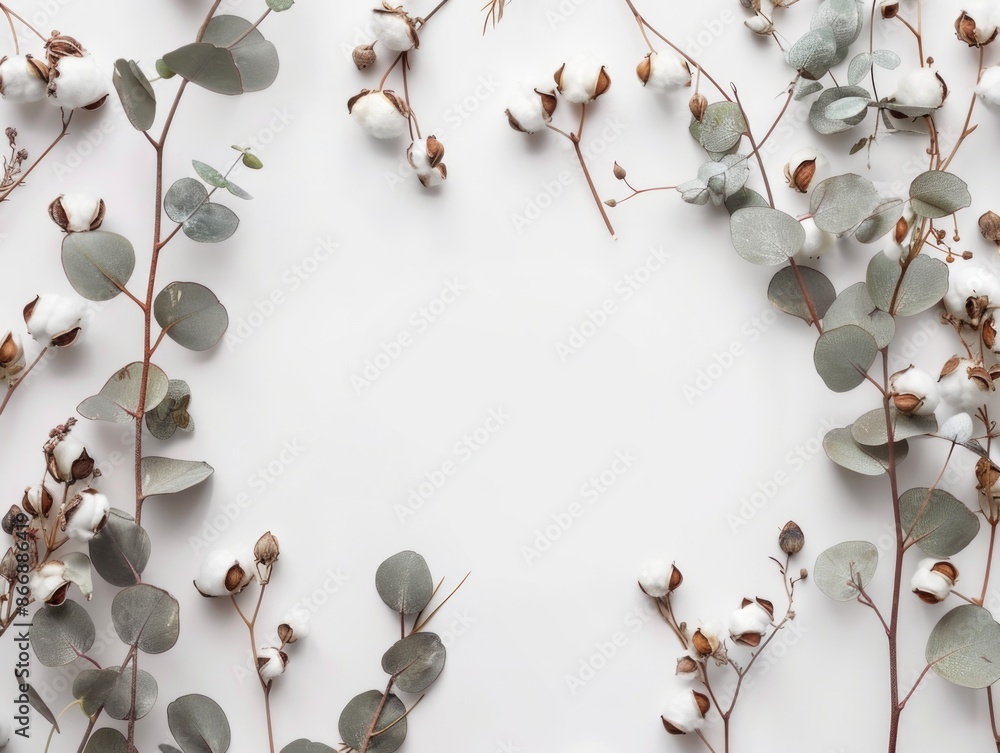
(989, 226)
(889, 8)
(265, 551)
(364, 56)
(697, 105)
(791, 539)
(619, 171)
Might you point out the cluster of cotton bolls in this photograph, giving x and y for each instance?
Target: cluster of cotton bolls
(64, 507)
(581, 79)
(226, 572)
(382, 113)
(762, 22)
(67, 77)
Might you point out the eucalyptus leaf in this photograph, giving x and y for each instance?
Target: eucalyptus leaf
(882, 220)
(694, 192)
(191, 315)
(209, 174)
(885, 59)
(38, 704)
(904, 111)
(843, 570)
(964, 647)
(147, 618)
(356, 720)
(937, 194)
(744, 198)
(722, 126)
(118, 400)
(828, 126)
(98, 264)
(785, 292)
(842, 202)
(279, 5)
(206, 65)
(805, 87)
(944, 525)
(842, 17)
(306, 746)
(815, 53)
(199, 725)
(870, 428)
(107, 740)
(120, 550)
(923, 285)
(136, 94)
(855, 306)
(164, 748)
(841, 448)
(60, 634)
(762, 235)
(172, 412)
(404, 582)
(416, 661)
(860, 65)
(255, 58)
(848, 107)
(236, 191)
(184, 198)
(211, 223)
(118, 704)
(843, 356)
(169, 476)
(92, 687)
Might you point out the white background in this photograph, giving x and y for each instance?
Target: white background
(521, 626)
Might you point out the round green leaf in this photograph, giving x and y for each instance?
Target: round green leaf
(191, 315)
(136, 94)
(171, 414)
(880, 221)
(163, 70)
(199, 725)
(841, 569)
(147, 618)
(356, 720)
(184, 198)
(814, 53)
(843, 19)
(169, 476)
(886, 59)
(841, 448)
(120, 550)
(306, 746)
(847, 107)
(279, 5)
(118, 704)
(92, 687)
(855, 306)
(964, 647)
(827, 126)
(60, 634)
(416, 661)
(766, 236)
(923, 285)
(210, 67)
(107, 740)
(255, 58)
(404, 582)
(944, 525)
(745, 197)
(118, 400)
(721, 127)
(805, 87)
(937, 194)
(211, 223)
(842, 202)
(98, 264)
(209, 174)
(785, 292)
(870, 429)
(843, 356)
(860, 65)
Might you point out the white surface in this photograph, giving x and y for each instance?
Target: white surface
(518, 629)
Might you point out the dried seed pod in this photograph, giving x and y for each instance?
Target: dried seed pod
(791, 539)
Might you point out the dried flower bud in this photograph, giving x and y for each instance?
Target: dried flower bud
(619, 171)
(686, 713)
(23, 79)
(791, 539)
(687, 668)
(380, 113)
(77, 212)
(271, 663)
(657, 578)
(934, 580)
(53, 320)
(914, 392)
(889, 8)
(12, 518)
(364, 56)
(803, 574)
(806, 168)
(8, 566)
(530, 110)
(697, 105)
(989, 226)
(987, 476)
(582, 79)
(265, 551)
(395, 29)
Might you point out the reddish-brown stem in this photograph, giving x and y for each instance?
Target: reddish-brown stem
(378, 712)
(966, 130)
(385, 76)
(249, 31)
(993, 716)
(21, 377)
(13, 31)
(989, 560)
(8, 12)
(927, 497)
(62, 134)
(914, 688)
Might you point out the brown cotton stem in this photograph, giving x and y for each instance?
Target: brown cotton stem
(8, 12)
(993, 716)
(378, 712)
(17, 382)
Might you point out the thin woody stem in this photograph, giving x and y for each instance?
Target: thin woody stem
(8, 12)
(49, 148)
(17, 382)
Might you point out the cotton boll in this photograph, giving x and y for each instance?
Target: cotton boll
(686, 712)
(915, 392)
(806, 167)
(817, 243)
(88, 516)
(920, 88)
(395, 30)
(379, 113)
(971, 281)
(78, 82)
(271, 663)
(582, 78)
(988, 88)
(978, 22)
(47, 583)
(752, 619)
(530, 109)
(23, 79)
(53, 320)
(663, 70)
(77, 212)
(657, 578)
(224, 573)
(964, 384)
(933, 580)
(425, 158)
